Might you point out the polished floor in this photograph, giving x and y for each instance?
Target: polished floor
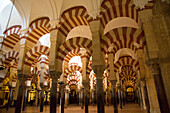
(129, 108)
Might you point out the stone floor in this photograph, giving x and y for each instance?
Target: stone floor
(129, 108)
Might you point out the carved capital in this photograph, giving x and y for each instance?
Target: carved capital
(62, 84)
(54, 23)
(140, 3)
(143, 81)
(85, 84)
(154, 66)
(22, 78)
(98, 70)
(113, 82)
(55, 75)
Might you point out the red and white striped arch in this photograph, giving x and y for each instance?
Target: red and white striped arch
(34, 53)
(128, 76)
(127, 72)
(71, 69)
(12, 36)
(37, 29)
(111, 9)
(73, 17)
(73, 43)
(126, 61)
(124, 37)
(76, 78)
(34, 72)
(8, 57)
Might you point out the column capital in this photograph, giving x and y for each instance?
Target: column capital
(55, 75)
(143, 81)
(22, 78)
(113, 82)
(24, 32)
(154, 66)
(85, 84)
(98, 70)
(62, 84)
(54, 23)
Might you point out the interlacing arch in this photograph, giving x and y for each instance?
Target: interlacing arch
(126, 61)
(73, 43)
(111, 9)
(73, 17)
(34, 53)
(71, 69)
(12, 36)
(37, 29)
(8, 57)
(124, 37)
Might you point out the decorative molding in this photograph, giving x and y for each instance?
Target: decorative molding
(94, 13)
(55, 75)
(54, 23)
(140, 3)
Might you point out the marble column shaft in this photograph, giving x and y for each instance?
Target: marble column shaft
(98, 69)
(120, 97)
(25, 99)
(53, 95)
(10, 97)
(82, 98)
(86, 95)
(114, 96)
(146, 95)
(42, 99)
(22, 78)
(62, 99)
(161, 94)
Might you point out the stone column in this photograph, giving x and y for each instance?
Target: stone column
(38, 98)
(98, 70)
(10, 97)
(92, 92)
(141, 59)
(42, 97)
(22, 78)
(114, 95)
(137, 91)
(46, 102)
(66, 98)
(120, 96)
(53, 95)
(25, 98)
(86, 95)
(107, 103)
(140, 96)
(62, 99)
(82, 97)
(156, 73)
(145, 91)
